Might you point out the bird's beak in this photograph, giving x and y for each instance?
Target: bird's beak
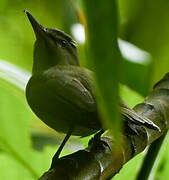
(37, 27)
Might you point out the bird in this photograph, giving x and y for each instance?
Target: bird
(61, 92)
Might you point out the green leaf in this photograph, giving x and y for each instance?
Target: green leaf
(105, 57)
(161, 171)
(15, 119)
(130, 169)
(14, 134)
(12, 169)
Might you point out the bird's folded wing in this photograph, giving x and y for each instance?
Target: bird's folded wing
(71, 90)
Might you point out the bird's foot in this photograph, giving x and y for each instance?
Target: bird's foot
(96, 143)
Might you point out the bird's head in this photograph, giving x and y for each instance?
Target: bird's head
(52, 47)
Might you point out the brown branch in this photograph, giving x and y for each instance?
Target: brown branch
(100, 161)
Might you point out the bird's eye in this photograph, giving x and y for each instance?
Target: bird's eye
(63, 43)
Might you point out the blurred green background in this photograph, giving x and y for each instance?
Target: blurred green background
(26, 144)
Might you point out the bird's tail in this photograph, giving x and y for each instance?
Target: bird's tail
(135, 118)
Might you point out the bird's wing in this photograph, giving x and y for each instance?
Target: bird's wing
(71, 90)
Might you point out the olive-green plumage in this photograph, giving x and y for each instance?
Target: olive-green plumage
(60, 92)
(62, 97)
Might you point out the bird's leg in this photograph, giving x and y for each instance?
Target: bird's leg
(56, 156)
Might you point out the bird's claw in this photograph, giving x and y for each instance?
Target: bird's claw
(96, 143)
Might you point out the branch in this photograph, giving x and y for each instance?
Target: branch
(102, 162)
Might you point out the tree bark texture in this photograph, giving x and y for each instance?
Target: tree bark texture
(101, 162)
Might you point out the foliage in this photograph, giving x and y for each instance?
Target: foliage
(26, 144)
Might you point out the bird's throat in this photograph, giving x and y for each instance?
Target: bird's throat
(46, 57)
